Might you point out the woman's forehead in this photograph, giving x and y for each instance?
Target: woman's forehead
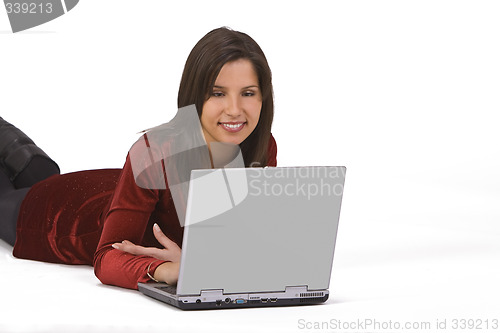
(239, 72)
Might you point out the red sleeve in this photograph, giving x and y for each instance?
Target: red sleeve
(272, 152)
(127, 219)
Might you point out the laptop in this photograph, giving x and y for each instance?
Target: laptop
(256, 237)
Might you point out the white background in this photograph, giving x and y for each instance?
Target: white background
(403, 93)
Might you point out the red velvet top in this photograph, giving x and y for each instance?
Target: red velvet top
(75, 218)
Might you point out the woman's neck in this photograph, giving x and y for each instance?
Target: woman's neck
(225, 155)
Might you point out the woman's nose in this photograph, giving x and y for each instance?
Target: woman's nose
(233, 106)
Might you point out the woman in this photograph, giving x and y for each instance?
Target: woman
(101, 217)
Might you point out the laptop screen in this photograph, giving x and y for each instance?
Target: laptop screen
(260, 229)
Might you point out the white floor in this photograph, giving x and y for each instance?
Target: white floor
(393, 267)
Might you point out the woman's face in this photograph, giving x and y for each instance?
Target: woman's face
(232, 111)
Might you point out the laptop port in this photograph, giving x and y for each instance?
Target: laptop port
(227, 300)
(198, 301)
(263, 300)
(218, 302)
(273, 300)
(240, 301)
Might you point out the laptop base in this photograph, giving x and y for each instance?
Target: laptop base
(230, 301)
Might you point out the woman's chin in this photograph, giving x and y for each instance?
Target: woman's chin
(235, 139)
(232, 141)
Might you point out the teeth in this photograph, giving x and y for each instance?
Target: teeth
(233, 126)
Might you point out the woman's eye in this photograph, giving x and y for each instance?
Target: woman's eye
(217, 94)
(248, 93)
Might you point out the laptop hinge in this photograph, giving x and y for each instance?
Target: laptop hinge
(295, 289)
(304, 292)
(212, 293)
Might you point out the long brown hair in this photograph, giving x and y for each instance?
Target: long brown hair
(202, 67)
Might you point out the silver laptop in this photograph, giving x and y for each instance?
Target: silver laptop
(256, 237)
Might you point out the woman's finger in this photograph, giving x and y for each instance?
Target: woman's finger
(129, 247)
(172, 251)
(126, 246)
(162, 238)
(123, 246)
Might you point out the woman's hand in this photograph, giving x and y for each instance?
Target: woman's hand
(171, 251)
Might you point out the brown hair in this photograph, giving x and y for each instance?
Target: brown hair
(202, 67)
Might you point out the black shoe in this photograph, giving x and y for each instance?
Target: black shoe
(17, 151)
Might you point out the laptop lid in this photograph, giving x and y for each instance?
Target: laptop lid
(260, 229)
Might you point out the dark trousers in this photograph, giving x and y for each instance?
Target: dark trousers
(12, 194)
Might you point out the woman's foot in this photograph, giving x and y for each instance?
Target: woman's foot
(24, 162)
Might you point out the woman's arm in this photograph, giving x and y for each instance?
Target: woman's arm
(128, 217)
(167, 272)
(127, 220)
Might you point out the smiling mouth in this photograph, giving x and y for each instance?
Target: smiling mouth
(232, 127)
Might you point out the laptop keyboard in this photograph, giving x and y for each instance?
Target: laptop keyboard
(169, 289)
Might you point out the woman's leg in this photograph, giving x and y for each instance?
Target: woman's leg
(22, 161)
(22, 165)
(10, 203)
(38, 169)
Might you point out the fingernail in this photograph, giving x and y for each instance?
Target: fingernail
(156, 227)
(114, 246)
